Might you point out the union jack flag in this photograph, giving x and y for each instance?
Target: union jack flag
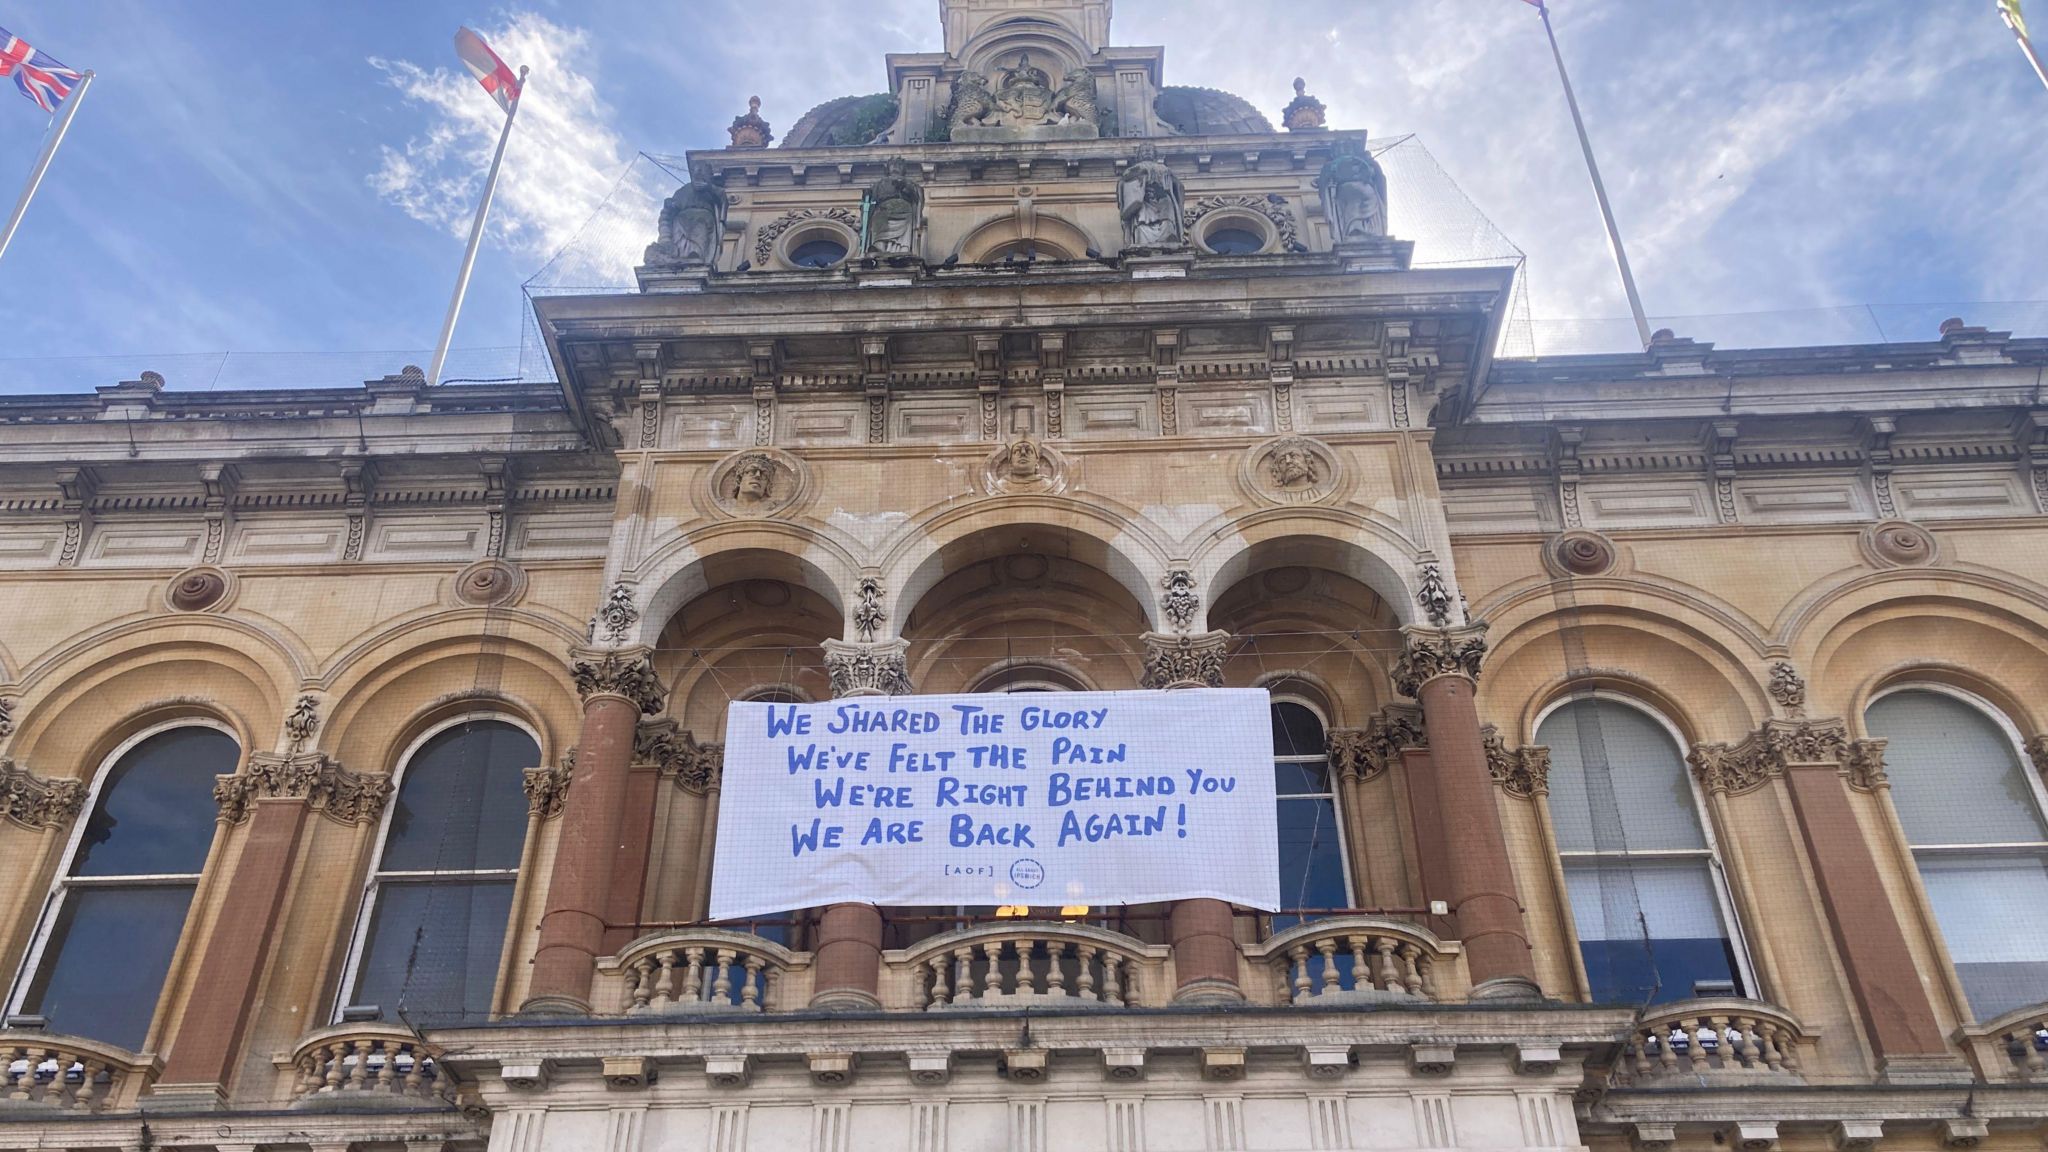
(39, 77)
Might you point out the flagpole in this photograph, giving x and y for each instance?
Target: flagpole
(2026, 44)
(1628, 280)
(35, 176)
(476, 236)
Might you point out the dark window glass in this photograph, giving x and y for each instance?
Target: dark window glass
(433, 948)
(156, 811)
(1296, 730)
(463, 804)
(1311, 851)
(106, 959)
(819, 253)
(1234, 241)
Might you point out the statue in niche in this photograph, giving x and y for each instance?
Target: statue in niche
(890, 211)
(1292, 465)
(1025, 98)
(1148, 197)
(754, 479)
(1354, 191)
(691, 222)
(1077, 100)
(1024, 463)
(971, 100)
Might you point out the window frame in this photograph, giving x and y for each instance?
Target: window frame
(1335, 794)
(1717, 869)
(62, 882)
(376, 877)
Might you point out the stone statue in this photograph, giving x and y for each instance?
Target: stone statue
(1025, 98)
(1292, 464)
(1354, 193)
(691, 223)
(890, 212)
(1148, 197)
(971, 100)
(1077, 99)
(754, 478)
(1022, 462)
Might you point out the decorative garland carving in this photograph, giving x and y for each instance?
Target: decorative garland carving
(327, 788)
(1440, 652)
(1788, 688)
(299, 726)
(695, 768)
(1765, 753)
(1280, 214)
(1180, 601)
(1184, 661)
(1521, 772)
(1359, 754)
(6, 718)
(547, 787)
(617, 615)
(866, 669)
(37, 801)
(627, 674)
(867, 615)
(1434, 596)
(764, 240)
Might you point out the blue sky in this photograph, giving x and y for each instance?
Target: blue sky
(274, 177)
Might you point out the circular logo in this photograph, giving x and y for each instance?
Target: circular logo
(1027, 873)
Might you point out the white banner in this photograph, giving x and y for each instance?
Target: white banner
(1036, 798)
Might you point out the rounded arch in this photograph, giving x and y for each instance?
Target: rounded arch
(1057, 237)
(1324, 538)
(696, 562)
(1053, 46)
(1828, 600)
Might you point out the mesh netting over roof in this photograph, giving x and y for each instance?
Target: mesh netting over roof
(1423, 206)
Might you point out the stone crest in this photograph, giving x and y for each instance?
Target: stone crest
(1024, 465)
(1290, 470)
(1024, 97)
(1022, 104)
(757, 482)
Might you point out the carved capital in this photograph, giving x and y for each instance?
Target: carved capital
(37, 801)
(547, 787)
(1779, 744)
(1520, 772)
(6, 718)
(1433, 652)
(867, 669)
(696, 768)
(327, 788)
(1184, 661)
(623, 672)
(1362, 753)
(2037, 750)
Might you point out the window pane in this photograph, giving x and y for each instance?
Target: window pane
(1955, 777)
(1686, 942)
(106, 959)
(1993, 912)
(448, 933)
(156, 811)
(1296, 731)
(1311, 855)
(463, 803)
(1617, 781)
(1303, 778)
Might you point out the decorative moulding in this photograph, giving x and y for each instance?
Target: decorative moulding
(1898, 544)
(1024, 467)
(757, 482)
(1580, 552)
(1291, 470)
(37, 801)
(490, 583)
(203, 588)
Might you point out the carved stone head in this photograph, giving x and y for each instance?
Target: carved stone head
(754, 477)
(1023, 461)
(1292, 464)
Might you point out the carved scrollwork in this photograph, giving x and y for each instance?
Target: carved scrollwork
(764, 240)
(1280, 215)
(867, 615)
(327, 788)
(1788, 688)
(37, 801)
(6, 718)
(1184, 661)
(1521, 772)
(547, 787)
(697, 768)
(1430, 653)
(1767, 752)
(627, 674)
(616, 616)
(1864, 765)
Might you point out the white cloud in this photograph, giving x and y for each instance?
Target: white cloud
(564, 155)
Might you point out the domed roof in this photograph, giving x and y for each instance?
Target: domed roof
(843, 123)
(1208, 112)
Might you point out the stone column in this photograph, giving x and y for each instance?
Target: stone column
(848, 950)
(1821, 765)
(618, 686)
(272, 797)
(1440, 668)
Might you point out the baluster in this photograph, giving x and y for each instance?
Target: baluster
(359, 1076)
(387, 1072)
(771, 992)
(1417, 972)
(721, 984)
(337, 1063)
(1328, 948)
(1084, 976)
(1642, 1057)
(1363, 978)
(665, 980)
(639, 984)
(1387, 973)
(1056, 966)
(693, 975)
(1028, 979)
(992, 969)
(31, 1078)
(26, 1085)
(940, 994)
(1667, 1055)
(416, 1075)
(85, 1099)
(1696, 1052)
(750, 985)
(1299, 954)
(1112, 994)
(1752, 1042)
(963, 975)
(1788, 1045)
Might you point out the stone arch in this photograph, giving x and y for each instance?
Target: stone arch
(694, 563)
(1062, 238)
(1325, 538)
(1053, 46)
(751, 632)
(1297, 611)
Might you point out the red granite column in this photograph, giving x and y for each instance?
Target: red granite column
(848, 948)
(1204, 952)
(617, 687)
(1440, 668)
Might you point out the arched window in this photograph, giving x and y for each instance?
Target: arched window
(1646, 890)
(435, 911)
(98, 967)
(1974, 817)
(1312, 873)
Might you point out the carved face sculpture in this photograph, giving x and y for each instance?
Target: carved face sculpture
(1023, 460)
(755, 478)
(1292, 465)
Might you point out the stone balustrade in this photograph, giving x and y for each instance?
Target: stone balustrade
(706, 970)
(1355, 959)
(2012, 1048)
(1032, 963)
(365, 1059)
(70, 1073)
(1718, 1038)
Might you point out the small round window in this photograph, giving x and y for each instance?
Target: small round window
(818, 252)
(1230, 241)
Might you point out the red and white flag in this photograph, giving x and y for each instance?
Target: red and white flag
(497, 78)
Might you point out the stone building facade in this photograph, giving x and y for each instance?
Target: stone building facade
(1664, 731)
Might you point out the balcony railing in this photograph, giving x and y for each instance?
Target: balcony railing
(2011, 1048)
(70, 1073)
(1353, 960)
(1031, 963)
(362, 1060)
(1720, 1038)
(706, 970)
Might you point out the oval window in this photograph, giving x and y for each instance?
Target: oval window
(822, 252)
(1234, 241)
